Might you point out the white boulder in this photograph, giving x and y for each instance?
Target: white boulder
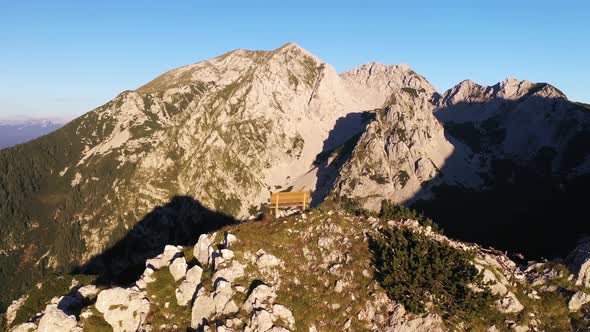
(186, 289)
(204, 249)
(283, 313)
(579, 262)
(229, 240)
(55, 320)
(230, 274)
(13, 309)
(24, 327)
(578, 300)
(88, 291)
(163, 259)
(194, 274)
(261, 320)
(202, 311)
(222, 298)
(509, 304)
(178, 268)
(267, 261)
(261, 297)
(124, 309)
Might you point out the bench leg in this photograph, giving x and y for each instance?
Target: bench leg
(277, 207)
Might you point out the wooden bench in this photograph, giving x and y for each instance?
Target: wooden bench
(288, 200)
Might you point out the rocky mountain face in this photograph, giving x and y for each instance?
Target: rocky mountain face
(524, 139)
(225, 132)
(400, 151)
(516, 119)
(206, 143)
(246, 277)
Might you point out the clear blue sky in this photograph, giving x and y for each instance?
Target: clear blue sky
(66, 57)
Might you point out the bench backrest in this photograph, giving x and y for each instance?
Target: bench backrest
(290, 197)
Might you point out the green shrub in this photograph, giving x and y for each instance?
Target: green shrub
(415, 270)
(403, 178)
(412, 92)
(392, 211)
(352, 206)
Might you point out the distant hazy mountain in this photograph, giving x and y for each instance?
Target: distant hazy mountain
(14, 132)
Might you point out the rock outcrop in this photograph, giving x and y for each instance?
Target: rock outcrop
(55, 320)
(579, 263)
(401, 150)
(186, 290)
(578, 300)
(124, 309)
(321, 279)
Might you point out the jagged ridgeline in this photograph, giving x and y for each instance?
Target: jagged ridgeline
(223, 133)
(208, 142)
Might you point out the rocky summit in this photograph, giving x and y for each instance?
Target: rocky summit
(313, 271)
(124, 193)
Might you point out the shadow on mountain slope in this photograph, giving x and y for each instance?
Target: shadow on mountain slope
(179, 222)
(336, 150)
(534, 205)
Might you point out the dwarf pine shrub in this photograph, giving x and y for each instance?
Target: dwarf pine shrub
(415, 270)
(392, 211)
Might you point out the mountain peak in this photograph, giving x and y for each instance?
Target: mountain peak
(467, 84)
(291, 46)
(511, 80)
(224, 69)
(374, 82)
(295, 49)
(512, 88)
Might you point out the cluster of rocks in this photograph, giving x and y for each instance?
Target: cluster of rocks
(227, 289)
(258, 313)
(573, 280)
(60, 313)
(127, 309)
(331, 250)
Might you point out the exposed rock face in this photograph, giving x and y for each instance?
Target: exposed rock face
(220, 302)
(399, 323)
(25, 327)
(203, 310)
(55, 320)
(402, 148)
(579, 263)
(124, 309)
(178, 268)
(204, 248)
(13, 308)
(509, 304)
(164, 259)
(186, 290)
(578, 300)
(516, 119)
(375, 83)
